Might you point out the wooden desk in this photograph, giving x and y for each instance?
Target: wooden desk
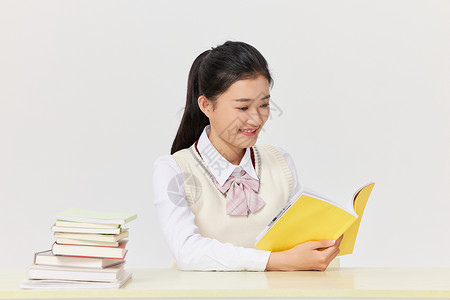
(333, 283)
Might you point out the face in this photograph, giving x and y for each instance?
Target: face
(238, 115)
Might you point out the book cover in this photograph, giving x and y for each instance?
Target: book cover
(312, 218)
(49, 259)
(118, 252)
(88, 230)
(87, 243)
(82, 215)
(92, 236)
(84, 224)
(72, 273)
(46, 284)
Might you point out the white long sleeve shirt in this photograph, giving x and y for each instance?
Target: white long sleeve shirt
(190, 250)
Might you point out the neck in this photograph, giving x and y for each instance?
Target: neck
(233, 156)
(231, 153)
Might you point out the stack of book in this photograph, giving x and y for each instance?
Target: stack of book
(89, 252)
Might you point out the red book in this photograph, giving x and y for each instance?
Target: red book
(118, 252)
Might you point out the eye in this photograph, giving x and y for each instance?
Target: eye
(265, 105)
(243, 108)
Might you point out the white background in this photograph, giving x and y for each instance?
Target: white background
(92, 92)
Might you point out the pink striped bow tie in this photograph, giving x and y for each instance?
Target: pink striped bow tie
(241, 194)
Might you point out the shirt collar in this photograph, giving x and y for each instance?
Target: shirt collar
(221, 168)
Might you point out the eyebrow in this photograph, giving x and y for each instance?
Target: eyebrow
(248, 99)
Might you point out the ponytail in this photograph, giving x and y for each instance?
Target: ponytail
(211, 74)
(193, 120)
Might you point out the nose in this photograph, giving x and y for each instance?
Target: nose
(255, 118)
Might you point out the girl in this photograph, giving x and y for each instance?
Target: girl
(217, 190)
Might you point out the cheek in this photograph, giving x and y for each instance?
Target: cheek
(228, 117)
(265, 115)
(224, 119)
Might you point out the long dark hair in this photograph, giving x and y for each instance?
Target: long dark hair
(211, 74)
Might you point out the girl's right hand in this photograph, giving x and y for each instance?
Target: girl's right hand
(314, 255)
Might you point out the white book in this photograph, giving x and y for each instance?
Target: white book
(91, 251)
(84, 224)
(87, 243)
(72, 273)
(88, 230)
(82, 215)
(71, 285)
(92, 236)
(48, 258)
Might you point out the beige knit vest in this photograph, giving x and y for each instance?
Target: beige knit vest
(209, 205)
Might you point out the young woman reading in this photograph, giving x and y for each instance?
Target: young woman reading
(218, 189)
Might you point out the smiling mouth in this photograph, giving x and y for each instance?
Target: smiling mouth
(249, 132)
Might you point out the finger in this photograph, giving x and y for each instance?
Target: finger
(321, 244)
(333, 255)
(337, 244)
(336, 253)
(328, 251)
(339, 241)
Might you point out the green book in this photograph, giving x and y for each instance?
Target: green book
(80, 215)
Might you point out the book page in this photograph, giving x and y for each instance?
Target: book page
(347, 205)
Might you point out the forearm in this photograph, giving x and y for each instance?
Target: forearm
(313, 255)
(274, 262)
(201, 253)
(278, 261)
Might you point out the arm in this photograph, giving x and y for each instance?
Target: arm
(314, 255)
(190, 250)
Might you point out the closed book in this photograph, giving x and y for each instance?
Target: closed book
(48, 258)
(47, 284)
(82, 215)
(312, 218)
(84, 224)
(72, 273)
(92, 236)
(118, 252)
(88, 230)
(87, 243)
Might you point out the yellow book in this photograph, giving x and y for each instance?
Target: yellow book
(313, 218)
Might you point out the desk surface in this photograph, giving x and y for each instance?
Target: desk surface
(335, 282)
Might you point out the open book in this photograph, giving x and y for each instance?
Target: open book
(312, 218)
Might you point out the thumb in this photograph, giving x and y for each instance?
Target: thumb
(322, 244)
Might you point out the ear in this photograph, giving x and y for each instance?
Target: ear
(205, 105)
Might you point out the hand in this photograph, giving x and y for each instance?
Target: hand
(314, 255)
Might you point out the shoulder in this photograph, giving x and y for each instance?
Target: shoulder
(181, 153)
(279, 152)
(165, 164)
(272, 148)
(169, 160)
(174, 163)
(164, 160)
(286, 155)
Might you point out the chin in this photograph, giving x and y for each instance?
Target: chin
(249, 143)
